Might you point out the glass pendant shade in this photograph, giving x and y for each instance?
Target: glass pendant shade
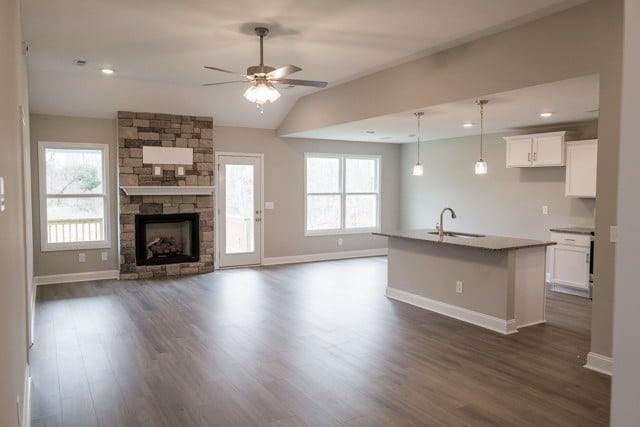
(481, 167)
(261, 92)
(418, 169)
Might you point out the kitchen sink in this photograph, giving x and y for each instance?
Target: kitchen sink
(456, 234)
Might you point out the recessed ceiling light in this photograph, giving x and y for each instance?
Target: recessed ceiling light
(107, 71)
(468, 125)
(545, 115)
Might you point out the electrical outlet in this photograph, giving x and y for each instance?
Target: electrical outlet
(105, 256)
(180, 171)
(157, 170)
(545, 210)
(82, 258)
(459, 286)
(339, 241)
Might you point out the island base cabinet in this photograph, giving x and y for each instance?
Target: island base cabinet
(501, 290)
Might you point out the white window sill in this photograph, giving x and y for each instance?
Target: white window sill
(55, 247)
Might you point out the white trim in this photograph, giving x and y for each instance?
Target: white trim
(342, 158)
(502, 326)
(45, 246)
(599, 363)
(216, 192)
(76, 277)
(294, 259)
(25, 420)
(168, 190)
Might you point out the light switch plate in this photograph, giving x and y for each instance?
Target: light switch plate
(179, 170)
(545, 210)
(269, 205)
(157, 170)
(613, 231)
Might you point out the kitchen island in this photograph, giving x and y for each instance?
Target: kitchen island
(491, 281)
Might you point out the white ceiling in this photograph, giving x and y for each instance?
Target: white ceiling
(572, 100)
(158, 48)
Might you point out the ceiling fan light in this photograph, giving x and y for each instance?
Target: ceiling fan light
(262, 92)
(481, 167)
(418, 169)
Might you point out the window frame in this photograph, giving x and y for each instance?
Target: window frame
(343, 194)
(45, 245)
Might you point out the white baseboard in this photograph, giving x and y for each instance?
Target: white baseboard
(25, 417)
(324, 256)
(76, 277)
(502, 326)
(599, 363)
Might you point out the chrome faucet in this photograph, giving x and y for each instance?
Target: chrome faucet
(440, 225)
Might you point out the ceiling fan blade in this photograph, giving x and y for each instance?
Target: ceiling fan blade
(283, 71)
(224, 83)
(294, 82)
(225, 71)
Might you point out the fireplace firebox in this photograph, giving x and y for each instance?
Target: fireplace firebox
(167, 239)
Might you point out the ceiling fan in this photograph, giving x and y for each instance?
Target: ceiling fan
(262, 77)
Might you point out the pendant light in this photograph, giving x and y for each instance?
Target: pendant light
(418, 169)
(481, 165)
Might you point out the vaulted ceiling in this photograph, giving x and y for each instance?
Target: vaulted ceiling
(158, 48)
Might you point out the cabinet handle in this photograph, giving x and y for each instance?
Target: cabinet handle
(569, 240)
(587, 258)
(534, 156)
(528, 157)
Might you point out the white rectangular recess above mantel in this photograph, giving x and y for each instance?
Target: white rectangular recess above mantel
(167, 155)
(168, 190)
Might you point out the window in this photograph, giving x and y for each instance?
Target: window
(74, 197)
(342, 194)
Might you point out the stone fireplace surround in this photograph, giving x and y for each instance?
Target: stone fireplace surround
(136, 130)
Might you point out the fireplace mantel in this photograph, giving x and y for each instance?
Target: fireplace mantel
(168, 190)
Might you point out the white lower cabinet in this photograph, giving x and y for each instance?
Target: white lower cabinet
(569, 261)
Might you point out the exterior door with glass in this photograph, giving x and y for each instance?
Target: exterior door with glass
(239, 210)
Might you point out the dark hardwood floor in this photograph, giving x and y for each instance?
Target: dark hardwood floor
(300, 345)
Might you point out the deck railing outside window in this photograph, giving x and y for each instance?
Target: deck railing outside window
(75, 230)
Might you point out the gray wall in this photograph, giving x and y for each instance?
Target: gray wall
(284, 180)
(586, 39)
(73, 129)
(626, 342)
(13, 283)
(506, 201)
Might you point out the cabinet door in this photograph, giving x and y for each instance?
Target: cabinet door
(570, 266)
(548, 151)
(582, 165)
(519, 153)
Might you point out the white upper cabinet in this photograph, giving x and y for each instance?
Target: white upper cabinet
(543, 149)
(582, 167)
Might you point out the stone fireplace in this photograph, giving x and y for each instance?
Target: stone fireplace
(166, 209)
